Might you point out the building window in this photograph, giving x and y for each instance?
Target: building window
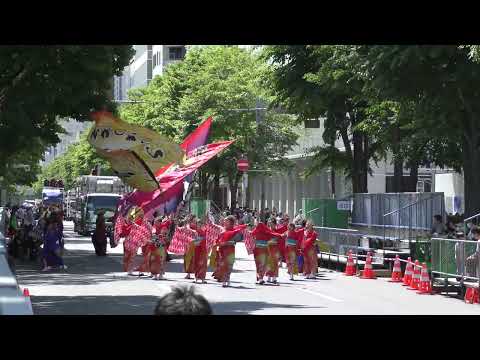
(312, 124)
(176, 53)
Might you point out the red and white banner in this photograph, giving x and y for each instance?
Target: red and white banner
(249, 241)
(195, 159)
(181, 238)
(213, 232)
(139, 236)
(119, 224)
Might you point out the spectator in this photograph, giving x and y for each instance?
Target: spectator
(437, 227)
(28, 223)
(299, 219)
(99, 237)
(183, 300)
(472, 261)
(51, 248)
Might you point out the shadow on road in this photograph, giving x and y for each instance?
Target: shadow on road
(94, 305)
(246, 307)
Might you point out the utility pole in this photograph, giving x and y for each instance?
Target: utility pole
(260, 117)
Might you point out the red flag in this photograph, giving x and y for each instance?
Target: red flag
(195, 159)
(213, 232)
(139, 236)
(119, 224)
(249, 241)
(181, 238)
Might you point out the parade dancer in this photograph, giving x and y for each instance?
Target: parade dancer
(145, 266)
(158, 252)
(282, 228)
(273, 254)
(293, 241)
(261, 234)
(309, 252)
(200, 257)
(129, 251)
(226, 243)
(189, 256)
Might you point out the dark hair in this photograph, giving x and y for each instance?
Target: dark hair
(183, 300)
(476, 231)
(231, 218)
(438, 217)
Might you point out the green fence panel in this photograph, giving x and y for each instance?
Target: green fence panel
(324, 212)
(199, 207)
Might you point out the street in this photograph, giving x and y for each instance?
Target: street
(96, 286)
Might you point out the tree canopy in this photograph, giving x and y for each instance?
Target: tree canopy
(79, 159)
(218, 81)
(38, 85)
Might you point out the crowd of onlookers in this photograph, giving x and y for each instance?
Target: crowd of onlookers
(35, 233)
(245, 215)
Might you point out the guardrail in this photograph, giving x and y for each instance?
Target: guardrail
(456, 258)
(12, 301)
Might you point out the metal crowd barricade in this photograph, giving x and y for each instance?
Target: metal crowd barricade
(340, 241)
(455, 258)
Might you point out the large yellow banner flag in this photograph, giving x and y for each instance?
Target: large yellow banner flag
(134, 152)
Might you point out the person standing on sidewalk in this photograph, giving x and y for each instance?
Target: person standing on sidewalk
(99, 237)
(51, 246)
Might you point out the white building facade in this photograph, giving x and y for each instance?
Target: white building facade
(74, 130)
(148, 62)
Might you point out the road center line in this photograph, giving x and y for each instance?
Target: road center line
(321, 295)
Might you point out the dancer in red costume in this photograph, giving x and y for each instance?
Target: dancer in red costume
(158, 250)
(282, 228)
(200, 258)
(189, 256)
(294, 239)
(261, 234)
(145, 266)
(273, 253)
(129, 250)
(310, 265)
(226, 243)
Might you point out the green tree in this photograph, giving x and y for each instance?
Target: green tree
(218, 81)
(39, 84)
(440, 82)
(320, 82)
(79, 159)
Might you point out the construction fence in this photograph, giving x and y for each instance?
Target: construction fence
(455, 258)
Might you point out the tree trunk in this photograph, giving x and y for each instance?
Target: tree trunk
(411, 184)
(217, 196)
(471, 175)
(247, 195)
(332, 181)
(365, 164)
(358, 176)
(397, 162)
(233, 190)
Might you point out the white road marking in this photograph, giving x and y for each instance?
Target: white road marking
(319, 294)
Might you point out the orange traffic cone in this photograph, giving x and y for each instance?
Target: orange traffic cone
(472, 296)
(397, 271)
(416, 276)
(425, 285)
(350, 269)
(407, 277)
(368, 272)
(26, 294)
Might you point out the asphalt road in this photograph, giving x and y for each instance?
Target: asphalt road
(96, 285)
